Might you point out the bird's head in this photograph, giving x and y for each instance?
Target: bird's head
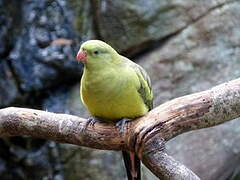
(96, 52)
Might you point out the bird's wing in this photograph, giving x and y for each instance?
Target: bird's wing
(145, 89)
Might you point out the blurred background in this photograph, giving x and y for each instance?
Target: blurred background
(186, 46)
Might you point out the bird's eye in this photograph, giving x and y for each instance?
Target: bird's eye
(96, 52)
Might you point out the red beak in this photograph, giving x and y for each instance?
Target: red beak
(82, 56)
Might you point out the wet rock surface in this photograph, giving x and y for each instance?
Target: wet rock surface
(186, 47)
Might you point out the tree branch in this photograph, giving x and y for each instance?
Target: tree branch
(144, 135)
(59, 127)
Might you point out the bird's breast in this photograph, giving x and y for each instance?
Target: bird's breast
(111, 95)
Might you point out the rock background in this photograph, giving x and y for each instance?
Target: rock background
(186, 47)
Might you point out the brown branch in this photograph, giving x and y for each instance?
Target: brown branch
(144, 135)
(59, 127)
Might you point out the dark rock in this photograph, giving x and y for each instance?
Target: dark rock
(49, 56)
(66, 100)
(8, 88)
(24, 158)
(10, 12)
(3, 167)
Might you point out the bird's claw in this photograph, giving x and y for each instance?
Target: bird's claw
(121, 124)
(91, 121)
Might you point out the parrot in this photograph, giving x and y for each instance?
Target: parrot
(114, 89)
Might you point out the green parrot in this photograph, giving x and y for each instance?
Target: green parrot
(114, 89)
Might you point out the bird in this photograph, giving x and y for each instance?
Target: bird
(114, 89)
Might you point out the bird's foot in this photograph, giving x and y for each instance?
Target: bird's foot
(121, 124)
(91, 121)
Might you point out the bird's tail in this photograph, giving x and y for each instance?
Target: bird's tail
(132, 165)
